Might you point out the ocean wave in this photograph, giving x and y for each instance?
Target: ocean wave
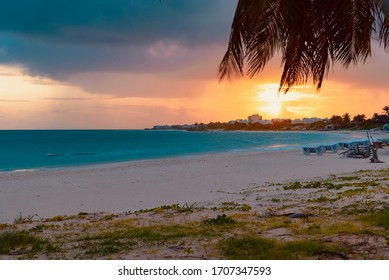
(275, 146)
(73, 154)
(24, 170)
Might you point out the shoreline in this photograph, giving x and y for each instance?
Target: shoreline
(271, 148)
(303, 207)
(129, 186)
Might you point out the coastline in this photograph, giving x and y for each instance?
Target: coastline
(200, 207)
(127, 146)
(144, 184)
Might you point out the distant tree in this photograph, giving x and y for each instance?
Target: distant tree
(216, 125)
(317, 125)
(346, 118)
(336, 120)
(255, 126)
(236, 126)
(386, 109)
(359, 118)
(281, 124)
(375, 118)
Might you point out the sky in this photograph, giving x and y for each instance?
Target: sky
(132, 64)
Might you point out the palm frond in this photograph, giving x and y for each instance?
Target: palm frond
(354, 21)
(265, 39)
(383, 6)
(310, 34)
(383, 22)
(241, 30)
(297, 43)
(384, 33)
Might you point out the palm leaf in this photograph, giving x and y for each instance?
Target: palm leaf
(310, 34)
(232, 62)
(383, 6)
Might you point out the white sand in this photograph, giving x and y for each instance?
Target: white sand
(146, 184)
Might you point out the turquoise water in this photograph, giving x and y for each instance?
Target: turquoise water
(31, 149)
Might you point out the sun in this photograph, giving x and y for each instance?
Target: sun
(271, 103)
(274, 108)
(277, 105)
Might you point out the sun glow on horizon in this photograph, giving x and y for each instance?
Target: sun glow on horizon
(271, 103)
(34, 102)
(277, 105)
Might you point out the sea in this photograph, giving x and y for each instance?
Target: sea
(48, 149)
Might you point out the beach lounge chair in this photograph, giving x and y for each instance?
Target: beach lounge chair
(334, 148)
(358, 151)
(318, 150)
(346, 145)
(307, 151)
(378, 144)
(384, 141)
(363, 142)
(341, 146)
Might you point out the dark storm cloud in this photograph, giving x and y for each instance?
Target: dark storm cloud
(117, 21)
(60, 38)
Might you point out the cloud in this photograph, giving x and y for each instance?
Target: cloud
(165, 49)
(66, 98)
(288, 112)
(119, 21)
(125, 85)
(60, 39)
(12, 100)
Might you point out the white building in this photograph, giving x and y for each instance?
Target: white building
(306, 120)
(255, 118)
(279, 120)
(265, 121)
(238, 121)
(159, 127)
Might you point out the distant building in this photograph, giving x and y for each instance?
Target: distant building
(238, 121)
(254, 118)
(331, 127)
(306, 120)
(159, 127)
(265, 122)
(297, 121)
(280, 120)
(188, 126)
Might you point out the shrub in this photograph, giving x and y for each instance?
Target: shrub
(219, 220)
(254, 248)
(12, 240)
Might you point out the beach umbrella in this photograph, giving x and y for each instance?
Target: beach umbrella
(310, 34)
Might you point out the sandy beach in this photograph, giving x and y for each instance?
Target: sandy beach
(203, 207)
(144, 184)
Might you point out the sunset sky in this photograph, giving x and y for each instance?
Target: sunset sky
(139, 63)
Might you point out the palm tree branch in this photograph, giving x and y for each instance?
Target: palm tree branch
(310, 34)
(241, 32)
(265, 40)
